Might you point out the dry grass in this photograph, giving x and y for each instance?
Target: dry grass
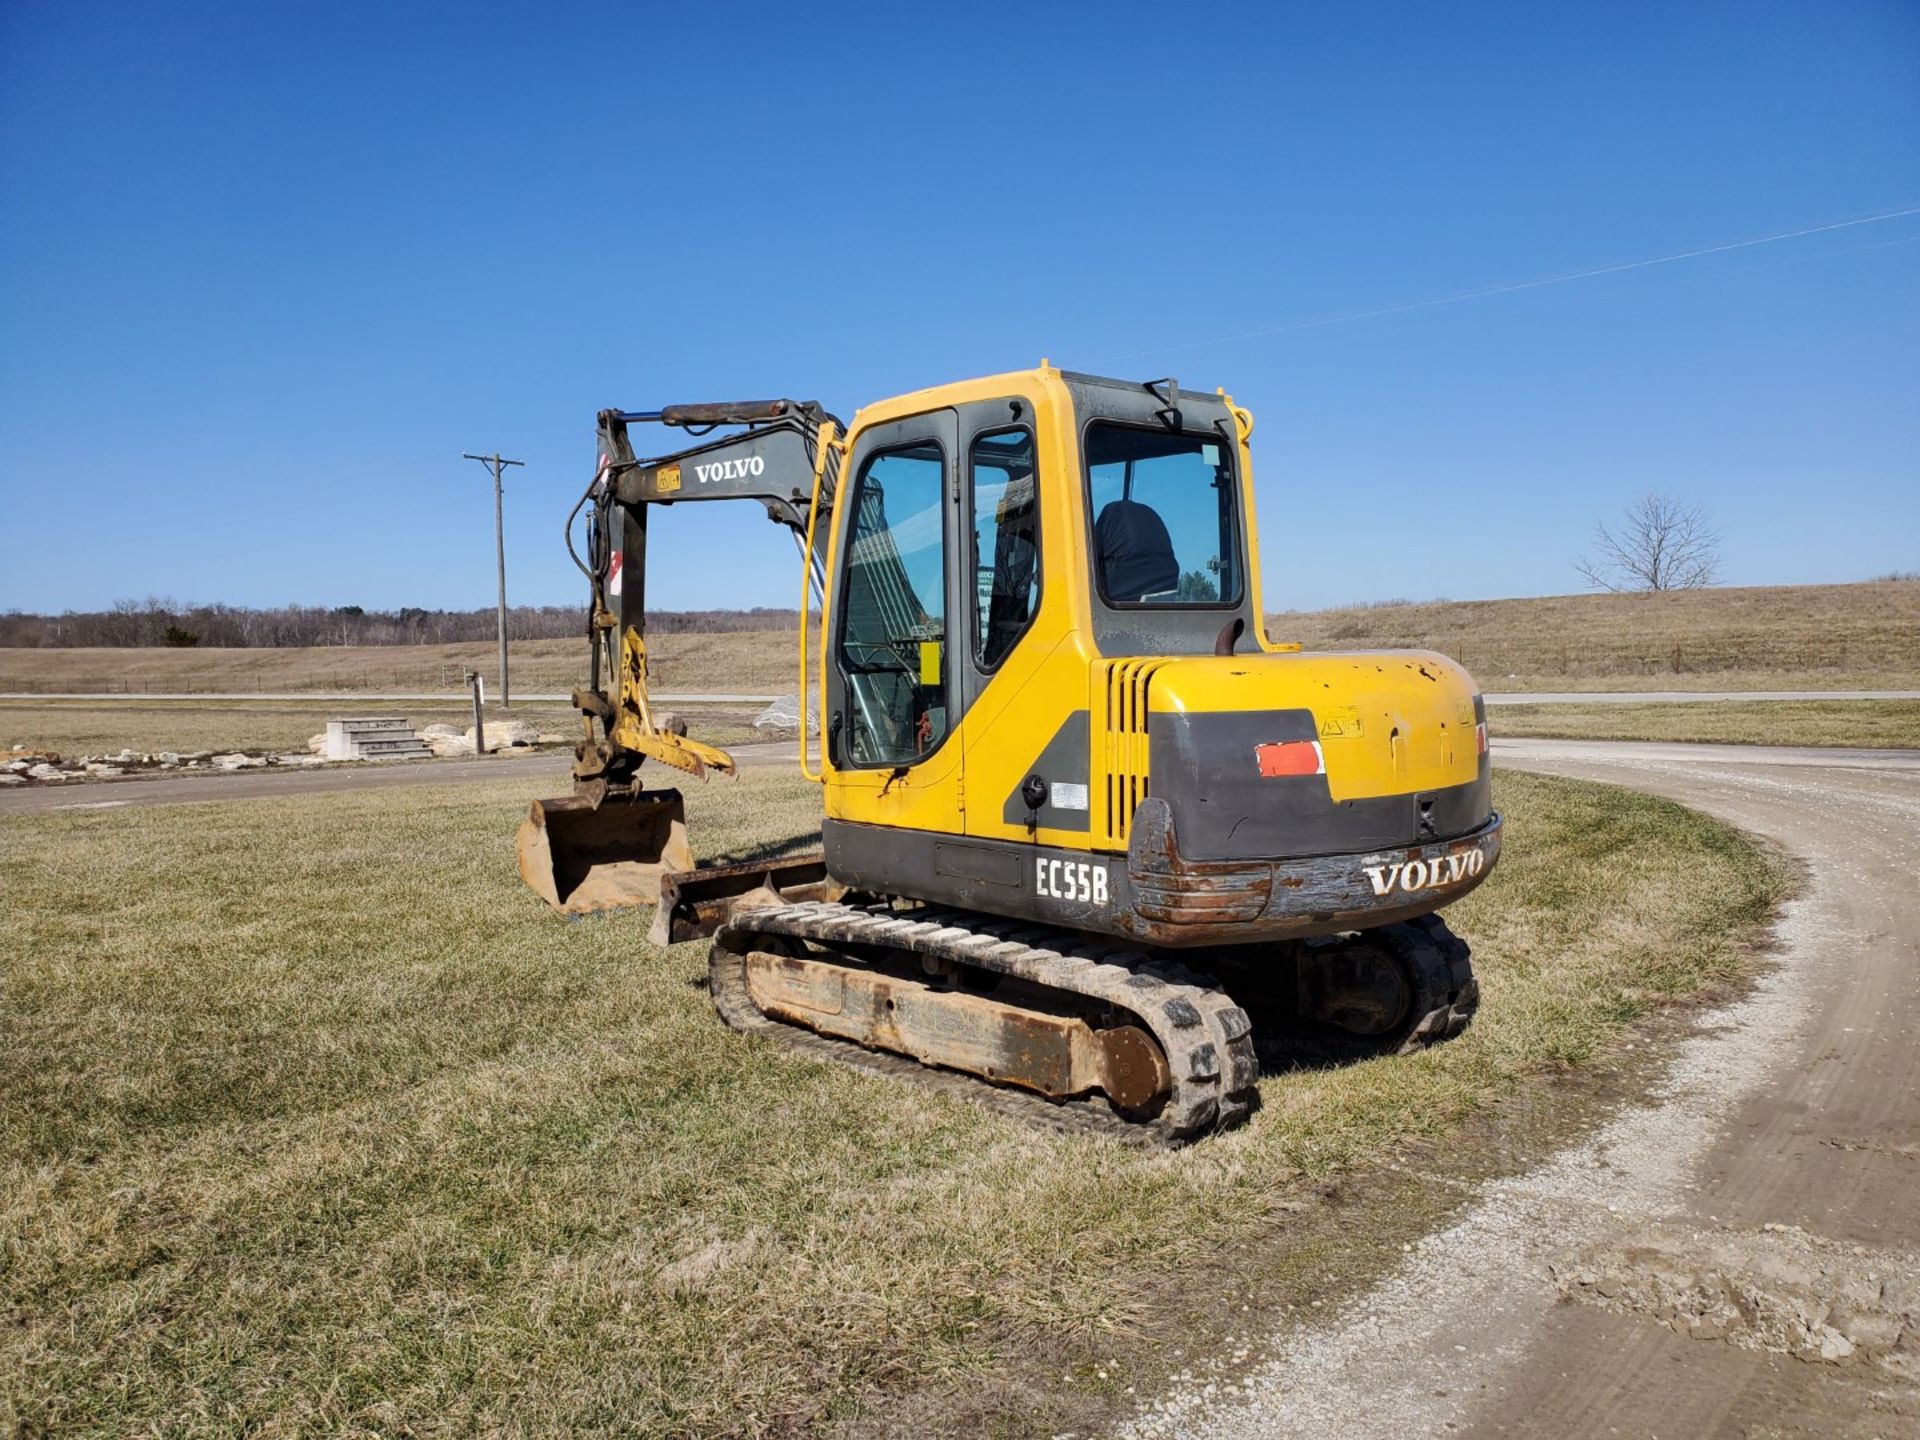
(80, 727)
(1785, 637)
(1769, 638)
(1874, 724)
(754, 662)
(312, 1119)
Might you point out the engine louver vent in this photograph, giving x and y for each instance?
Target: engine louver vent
(1124, 741)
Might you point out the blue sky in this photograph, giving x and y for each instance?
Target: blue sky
(266, 270)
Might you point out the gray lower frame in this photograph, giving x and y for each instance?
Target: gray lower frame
(1296, 899)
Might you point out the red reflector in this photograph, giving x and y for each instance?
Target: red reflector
(1480, 737)
(1290, 757)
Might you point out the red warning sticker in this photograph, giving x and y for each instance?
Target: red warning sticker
(613, 574)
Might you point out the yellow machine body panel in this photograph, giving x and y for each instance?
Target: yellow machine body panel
(931, 794)
(1042, 684)
(1387, 723)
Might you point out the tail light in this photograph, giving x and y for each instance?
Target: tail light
(1290, 757)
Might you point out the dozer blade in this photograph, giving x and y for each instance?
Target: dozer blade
(580, 857)
(695, 905)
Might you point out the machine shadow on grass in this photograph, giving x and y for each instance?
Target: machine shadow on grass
(783, 849)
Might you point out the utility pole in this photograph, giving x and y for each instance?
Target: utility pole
(496, 465)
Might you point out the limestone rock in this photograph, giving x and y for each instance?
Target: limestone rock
(782, 718)
(503, 734)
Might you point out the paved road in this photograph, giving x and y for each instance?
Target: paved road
(198, 787)
(1769, 1186)
(1563, 697)
(1688, 697)
(355, 697)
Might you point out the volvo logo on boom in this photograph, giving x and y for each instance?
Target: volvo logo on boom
(1411, 875)
(729, 469)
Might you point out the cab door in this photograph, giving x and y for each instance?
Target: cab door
(893, 695)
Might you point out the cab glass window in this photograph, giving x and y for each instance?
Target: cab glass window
(1165, 517)
(1006, 542)
(893, 615)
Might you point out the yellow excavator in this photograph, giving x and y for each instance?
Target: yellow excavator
(1070, 786)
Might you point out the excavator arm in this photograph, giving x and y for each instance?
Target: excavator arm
(777, 452)
(610, 842)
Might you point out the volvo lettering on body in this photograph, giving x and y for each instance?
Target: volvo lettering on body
(730, 469)
(1411, 875)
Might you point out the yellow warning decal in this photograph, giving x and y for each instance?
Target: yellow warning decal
(666, 478)
(1340, 722)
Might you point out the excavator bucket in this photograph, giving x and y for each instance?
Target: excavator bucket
(581, 857)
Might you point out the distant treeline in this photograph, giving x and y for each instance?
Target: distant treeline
(132, 623)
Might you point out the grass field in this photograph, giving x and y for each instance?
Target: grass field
(1874, 724)
(1809, 637)
(311, 1119)
(755, 662)
(79, 727)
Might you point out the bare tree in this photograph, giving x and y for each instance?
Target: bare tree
(1659, 544)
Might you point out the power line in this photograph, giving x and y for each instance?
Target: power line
(1511, 287)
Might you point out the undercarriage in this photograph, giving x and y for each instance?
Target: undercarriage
(1077, 1032)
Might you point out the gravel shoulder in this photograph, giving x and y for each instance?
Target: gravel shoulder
(1740, 1254)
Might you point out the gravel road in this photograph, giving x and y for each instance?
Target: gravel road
(1736, 1256)
(1687, 697)
(200, 787)
(366, 697)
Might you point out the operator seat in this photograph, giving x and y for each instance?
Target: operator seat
(1135, 552)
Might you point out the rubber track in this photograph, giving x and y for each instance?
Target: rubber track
(1440, 965)
(1205, 1036)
